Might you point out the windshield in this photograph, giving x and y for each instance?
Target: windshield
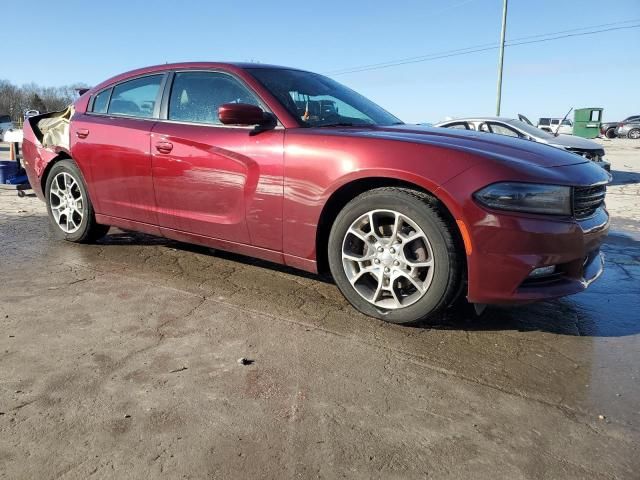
(530, 129)
(318, 101)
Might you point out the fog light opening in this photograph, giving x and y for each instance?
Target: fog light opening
(542, 271)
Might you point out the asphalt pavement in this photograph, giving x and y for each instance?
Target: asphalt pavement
(121, 360)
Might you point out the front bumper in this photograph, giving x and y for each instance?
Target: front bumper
(507, 248)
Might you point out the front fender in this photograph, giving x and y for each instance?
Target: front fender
(319, 166)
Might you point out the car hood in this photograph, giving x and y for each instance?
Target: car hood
(570, 141)
(497, 147)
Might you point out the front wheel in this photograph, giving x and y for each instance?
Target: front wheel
(610, 132)
(634, 133)
(393, 255)
(70, 210)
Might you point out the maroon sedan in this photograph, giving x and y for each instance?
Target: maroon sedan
(292, 167)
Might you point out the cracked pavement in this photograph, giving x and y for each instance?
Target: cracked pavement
(120, 359)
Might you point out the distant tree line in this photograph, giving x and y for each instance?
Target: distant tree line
(15, 100)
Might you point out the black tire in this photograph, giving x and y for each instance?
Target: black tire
(448, 257)
(634, 133)
(610, 132)
(89, 230)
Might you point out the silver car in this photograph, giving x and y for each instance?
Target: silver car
(518, 129)
(629, 129)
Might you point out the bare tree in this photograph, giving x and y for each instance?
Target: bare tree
(14, 100)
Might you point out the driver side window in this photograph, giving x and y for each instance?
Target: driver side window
(196, 96)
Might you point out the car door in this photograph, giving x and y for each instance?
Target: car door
(216, 180)
(112, 141)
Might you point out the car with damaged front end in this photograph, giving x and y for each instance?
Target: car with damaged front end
(294, 168)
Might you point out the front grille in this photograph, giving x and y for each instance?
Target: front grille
(586, 200)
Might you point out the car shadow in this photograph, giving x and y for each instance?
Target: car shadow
(601, 311)
(624, 178)
(123, 237)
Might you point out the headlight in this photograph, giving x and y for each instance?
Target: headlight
(526, 197)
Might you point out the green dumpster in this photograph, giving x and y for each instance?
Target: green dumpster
(586, 122)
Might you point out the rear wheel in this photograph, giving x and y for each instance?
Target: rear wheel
(610, 132)
(393, 255)
(634, 133)
(70, 210)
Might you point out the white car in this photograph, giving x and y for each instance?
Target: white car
(551, 125)
(511, 127)
(5, 125)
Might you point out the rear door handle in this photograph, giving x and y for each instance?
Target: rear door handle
(82, 132)
(164, 147)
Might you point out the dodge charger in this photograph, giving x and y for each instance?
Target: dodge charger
(294, 168)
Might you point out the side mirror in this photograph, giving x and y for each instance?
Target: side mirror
(241, 114)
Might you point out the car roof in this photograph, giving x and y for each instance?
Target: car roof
(204, 64)
(187, 66)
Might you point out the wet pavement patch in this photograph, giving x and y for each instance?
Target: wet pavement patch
(129, 358)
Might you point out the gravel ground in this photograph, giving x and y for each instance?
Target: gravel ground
(120, 360)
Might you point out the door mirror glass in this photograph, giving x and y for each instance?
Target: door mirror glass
(240, 114)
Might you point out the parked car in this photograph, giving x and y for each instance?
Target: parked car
(30, 113)
(518, 129)
(609, 129)
(556, 125)
(292, 167)
(5, 125)
(629, 129)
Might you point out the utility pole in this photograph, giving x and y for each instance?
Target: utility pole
(501, 59)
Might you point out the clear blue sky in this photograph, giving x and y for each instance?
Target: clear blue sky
(65, 42)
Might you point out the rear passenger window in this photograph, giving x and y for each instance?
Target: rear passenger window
(196, 96)
(503, 130)
(136, 98)
(461, 125)
(101, 101)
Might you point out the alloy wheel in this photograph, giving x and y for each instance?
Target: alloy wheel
(388, 259)
(66, 202)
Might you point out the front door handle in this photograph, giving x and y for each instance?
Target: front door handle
(164, 147)
(82, 133)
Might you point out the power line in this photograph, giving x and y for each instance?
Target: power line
(490, 46)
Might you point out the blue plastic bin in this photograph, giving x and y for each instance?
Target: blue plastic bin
(8, 168)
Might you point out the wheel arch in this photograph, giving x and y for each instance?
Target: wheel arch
(62, 155)
(350, 190)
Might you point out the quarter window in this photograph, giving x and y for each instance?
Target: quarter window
(101, 101)
(196, 96)
(136, 98)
